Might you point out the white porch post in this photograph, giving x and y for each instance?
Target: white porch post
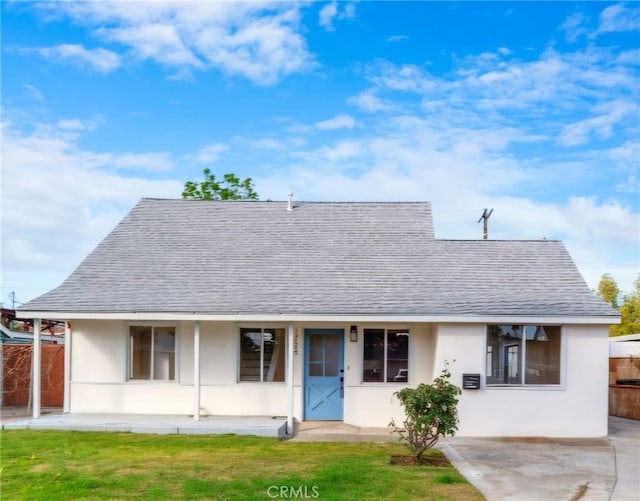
(66, 406)
(35, 364)
(196, 371)
(290, 378)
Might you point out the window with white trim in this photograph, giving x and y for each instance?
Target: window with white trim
(386, 356)
(523, 355)
(152, 353)
(262, 354)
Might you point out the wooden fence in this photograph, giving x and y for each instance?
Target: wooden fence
(16, 374)
(624, 399)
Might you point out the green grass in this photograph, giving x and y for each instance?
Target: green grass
(55, 465)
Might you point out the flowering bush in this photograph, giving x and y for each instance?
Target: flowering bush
(431, 412)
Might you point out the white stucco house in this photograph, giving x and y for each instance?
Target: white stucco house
(321, 311)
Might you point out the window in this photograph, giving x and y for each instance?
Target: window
(324, 355)
(152, 353)
(262, 354)
(523, 354)
(386, 356)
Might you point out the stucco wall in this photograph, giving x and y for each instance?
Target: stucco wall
(373, 404)
(99, 374)
(577, 408)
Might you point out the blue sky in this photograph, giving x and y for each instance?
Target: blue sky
(528, 108)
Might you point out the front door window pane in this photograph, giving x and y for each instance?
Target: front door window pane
(331, 355)
(316, 349)
(315, 369)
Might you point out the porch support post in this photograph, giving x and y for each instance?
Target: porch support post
(290, 332)
(196, 371)
(66, 406)
(35, 365)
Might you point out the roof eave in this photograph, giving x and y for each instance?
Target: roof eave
(322, 317)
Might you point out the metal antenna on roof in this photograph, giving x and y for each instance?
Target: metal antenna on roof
(485, 216)
(290, 204)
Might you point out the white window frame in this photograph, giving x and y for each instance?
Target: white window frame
(522, 385)
(239, 353)
(385, 355)
(129, 352)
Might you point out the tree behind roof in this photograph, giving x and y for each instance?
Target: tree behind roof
(230, 187)
(608, 290)
(629, 308)
(629, 313)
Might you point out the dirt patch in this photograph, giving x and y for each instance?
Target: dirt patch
(434, 461)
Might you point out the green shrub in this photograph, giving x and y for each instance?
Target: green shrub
(430, 412)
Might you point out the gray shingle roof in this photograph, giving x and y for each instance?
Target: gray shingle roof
(321, 258)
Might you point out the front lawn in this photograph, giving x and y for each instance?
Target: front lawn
(81, 465)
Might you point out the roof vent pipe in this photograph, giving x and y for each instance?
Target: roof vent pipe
(290, 204)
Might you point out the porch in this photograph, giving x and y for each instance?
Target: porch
(262, 426)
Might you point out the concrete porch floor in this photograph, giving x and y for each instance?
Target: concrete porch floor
(262, 426)
(329, 431)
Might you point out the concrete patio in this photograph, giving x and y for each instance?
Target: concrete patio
(262, 426)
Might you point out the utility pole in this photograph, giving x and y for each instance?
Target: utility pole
(485, 217)
(12, 295)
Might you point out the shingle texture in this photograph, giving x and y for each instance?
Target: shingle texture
(320, 258)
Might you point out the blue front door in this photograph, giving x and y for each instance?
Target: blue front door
(323, 374)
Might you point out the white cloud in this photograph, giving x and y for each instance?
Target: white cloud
(408, 77)
(344, 150)
(629, 57)
(616, 18)
(34, 92)
(331, 11)
(259, 41)
(264, 143)
(327, 14)
(337, 122)
(59, 200)
(610, 114)
(561, 96)
(211, 152)
(100, 60)
(575, 27)
(74, 124)
(143, 161)
(349, 11)
(155, 41)
(369, 101)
